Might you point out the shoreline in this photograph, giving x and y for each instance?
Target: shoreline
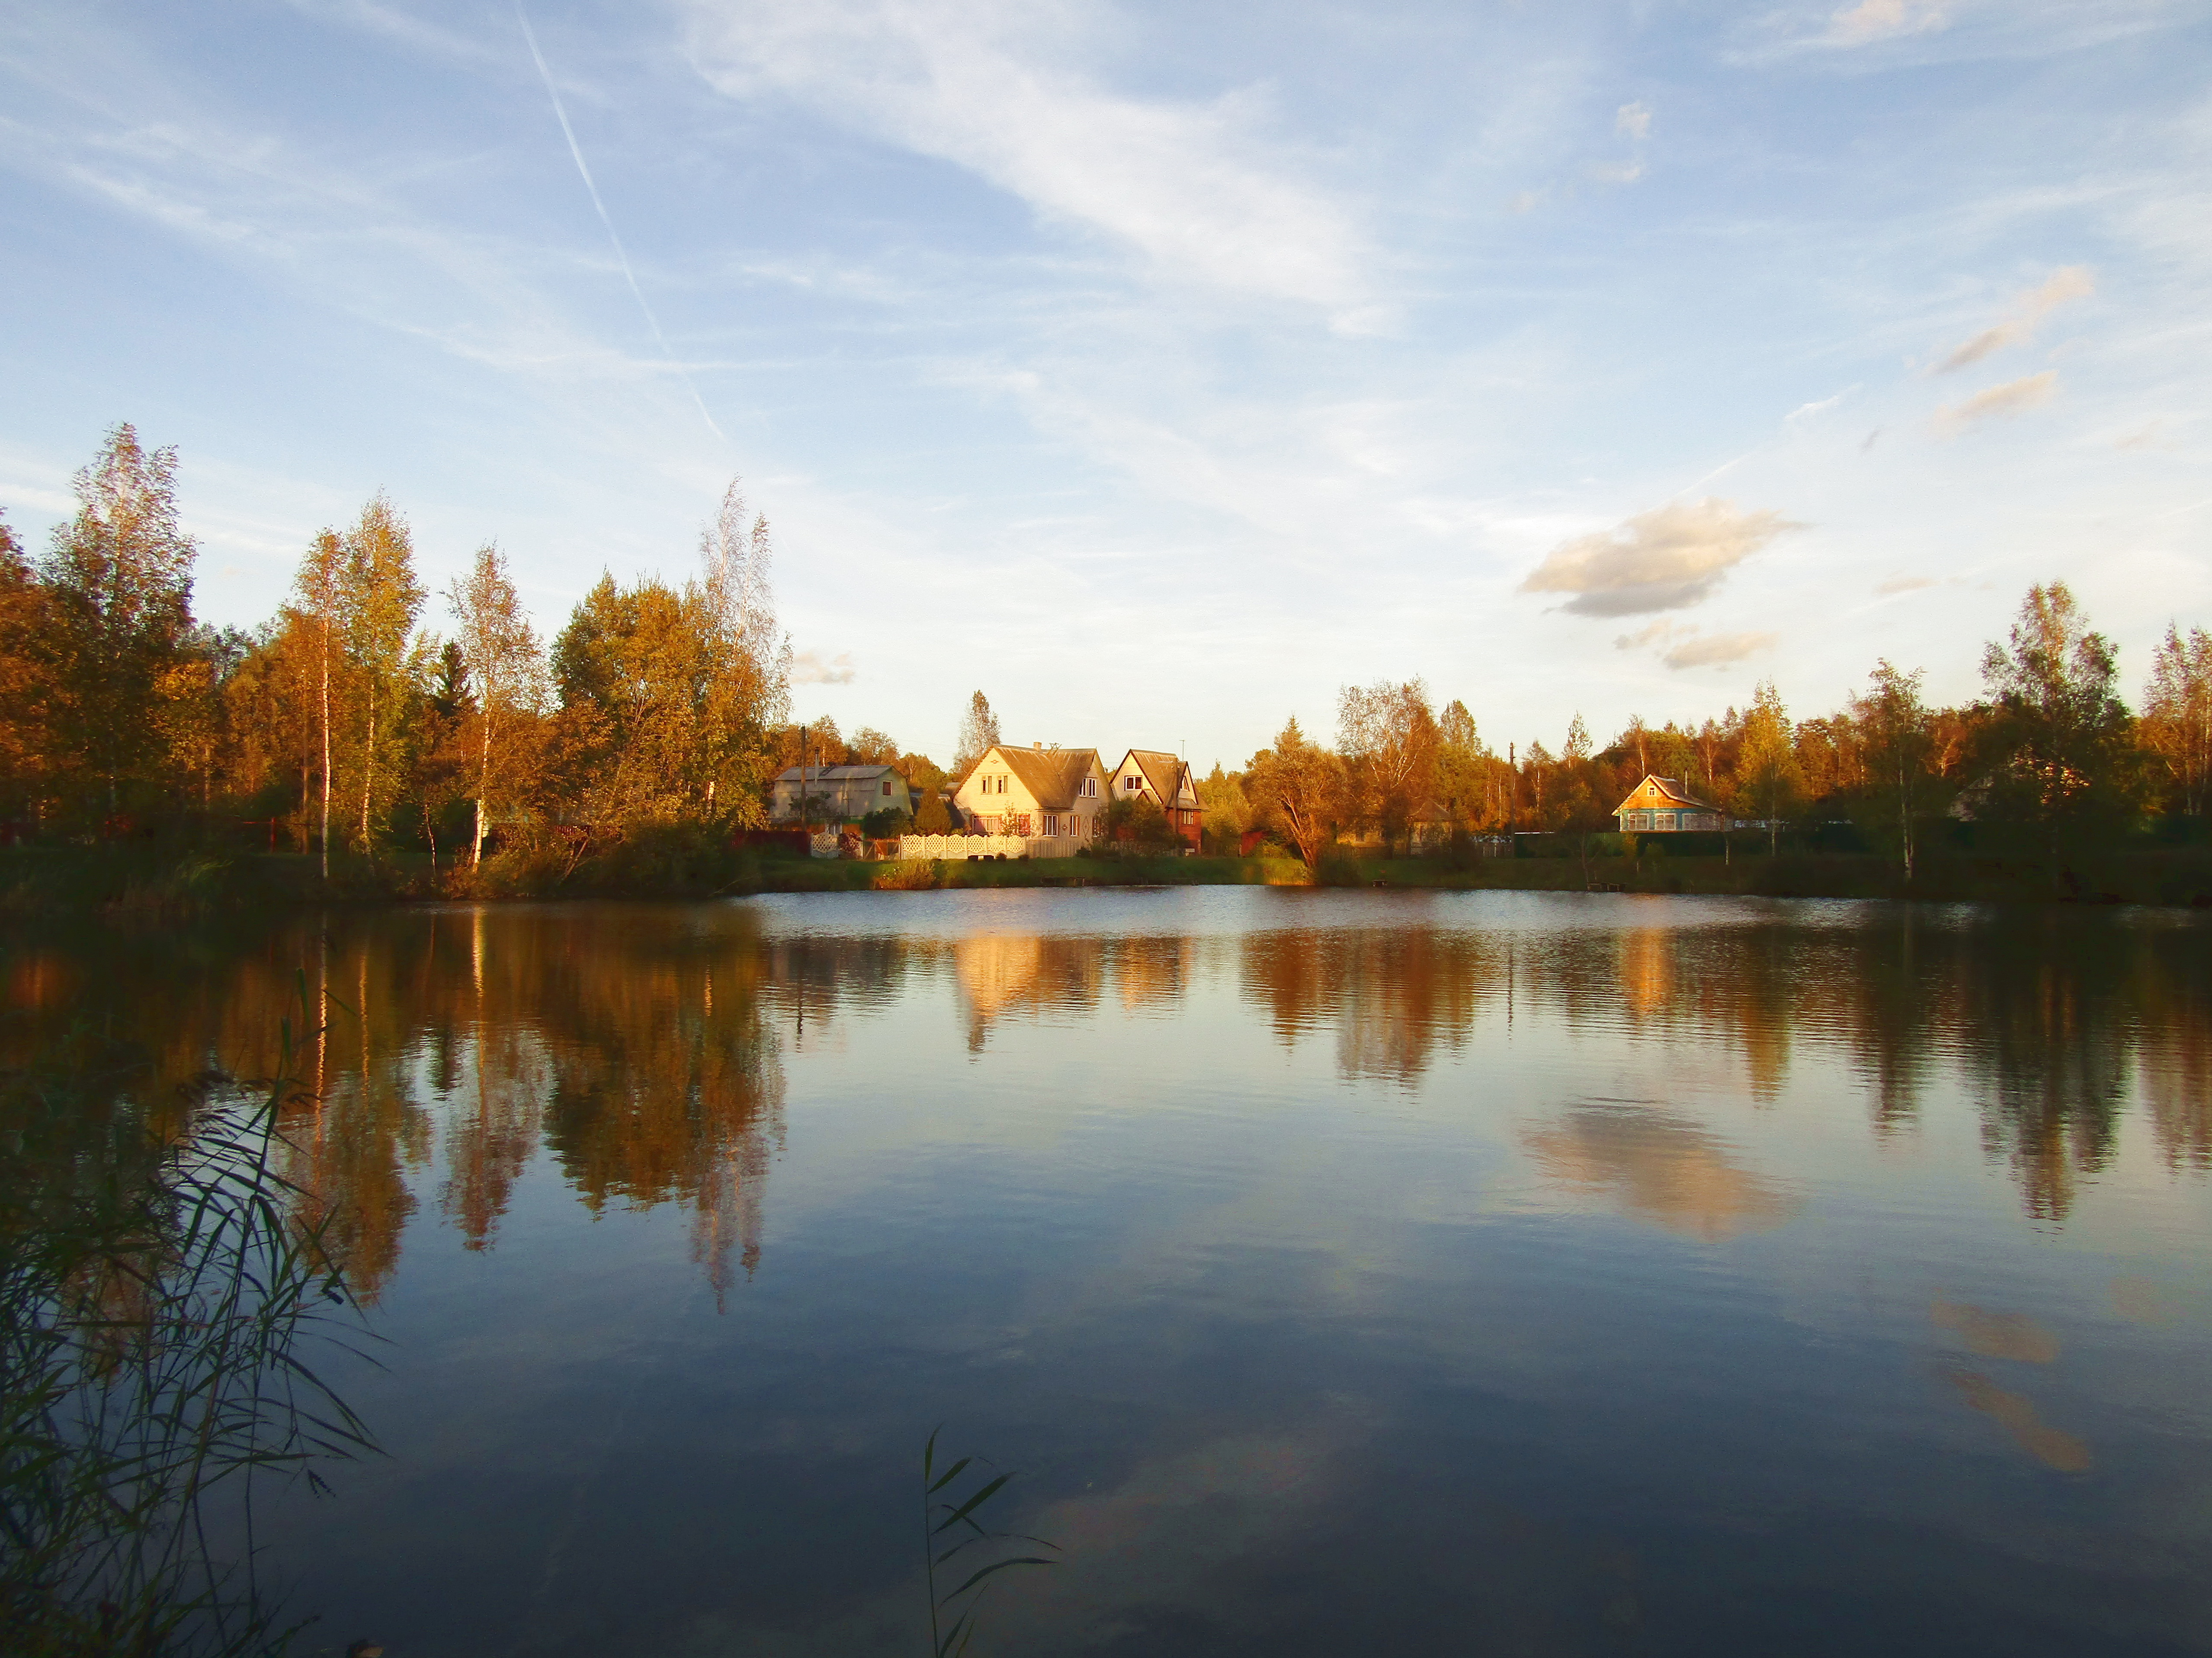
(138, 886)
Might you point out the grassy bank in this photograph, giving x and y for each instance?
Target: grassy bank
(144, 886)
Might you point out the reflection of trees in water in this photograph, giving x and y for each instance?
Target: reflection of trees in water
(637, 1045)
(2045, 1011)
(2044, 1016)
(2173, 1035)
(1394, 996)
(629, 1044)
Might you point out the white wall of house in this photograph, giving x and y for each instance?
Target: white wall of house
(993, 792)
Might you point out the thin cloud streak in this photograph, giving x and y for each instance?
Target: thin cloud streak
(2013, 397)
(600, 206)
(1688, 646)
(2074, 281)
(1180, 181)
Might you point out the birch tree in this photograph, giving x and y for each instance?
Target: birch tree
(2057, 744)
(1768, 783)
(500, 652)
(378, 599)
(118, 576)
(1893, 728)
(320, 586)
(2177, 713)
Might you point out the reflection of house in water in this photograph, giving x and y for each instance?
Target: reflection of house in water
(1153, 972)
(1647, 970)
(1001, 974)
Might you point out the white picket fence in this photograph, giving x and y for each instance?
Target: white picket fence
(988, 845)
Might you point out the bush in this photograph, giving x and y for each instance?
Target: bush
(907, 875)
(1337, 867)
(1139, 826)
(667, 859)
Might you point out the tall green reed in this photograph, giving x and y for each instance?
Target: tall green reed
(158, 1289)
(946, 1513)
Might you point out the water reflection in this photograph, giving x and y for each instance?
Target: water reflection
(2017, 1414)
(1660, 1167)
(641, 1051)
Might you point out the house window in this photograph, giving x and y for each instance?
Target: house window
(1131, 785)
(1090, 788)
(1051, 823)
(887, 786)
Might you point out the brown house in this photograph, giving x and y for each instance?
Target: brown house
(1167, 782)
(1661, 805)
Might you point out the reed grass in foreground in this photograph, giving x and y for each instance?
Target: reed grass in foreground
(158, 1290)
(946, 1512)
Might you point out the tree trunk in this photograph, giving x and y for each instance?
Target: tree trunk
(368, 766)
(326, 750)
(483, 779)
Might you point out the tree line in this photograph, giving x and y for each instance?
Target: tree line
(367, 715)
(2050, 760)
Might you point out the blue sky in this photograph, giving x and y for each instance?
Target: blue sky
(1159, 369)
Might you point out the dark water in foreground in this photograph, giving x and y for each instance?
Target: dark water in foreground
(1349, 1273)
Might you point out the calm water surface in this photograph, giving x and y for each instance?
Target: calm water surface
(1346, 1271)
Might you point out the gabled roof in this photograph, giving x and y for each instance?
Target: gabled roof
(1668, 792)
(1164, 773)
(832, 774)
(1051, 775)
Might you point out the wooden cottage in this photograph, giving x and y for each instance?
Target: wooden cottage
(1661, 805)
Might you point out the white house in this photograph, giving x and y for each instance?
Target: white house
(1036, 792)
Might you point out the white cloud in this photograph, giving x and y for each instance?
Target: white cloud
(2072, 281)
(2011, 398)
(1668, 559)
(1633, 121)
(1684, 645)
(1903, 584)
(1187, 183)
(1882, 19)
(808, 668)
(1806, 413)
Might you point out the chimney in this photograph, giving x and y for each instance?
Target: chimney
(1037, 745)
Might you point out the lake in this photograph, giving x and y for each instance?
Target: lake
(1376, 1271)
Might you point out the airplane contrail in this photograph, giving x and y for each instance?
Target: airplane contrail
(631, 275)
